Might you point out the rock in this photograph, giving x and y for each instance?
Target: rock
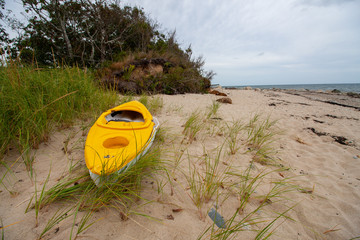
(341, 140)
(247, 88)
(336, 91)
(216, 92)
(257, 90)
(352, 94)
(217, 218)
(225, 100)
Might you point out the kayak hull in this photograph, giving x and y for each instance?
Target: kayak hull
(118, 139)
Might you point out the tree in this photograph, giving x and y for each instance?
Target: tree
(4, 37)
(52, 29)
(86, 32)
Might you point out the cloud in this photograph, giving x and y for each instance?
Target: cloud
(325, 3)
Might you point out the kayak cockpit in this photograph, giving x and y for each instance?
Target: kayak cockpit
(124, 116)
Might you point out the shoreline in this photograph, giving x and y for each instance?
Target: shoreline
(344, 99)
(336, 88)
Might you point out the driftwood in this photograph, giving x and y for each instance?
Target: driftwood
(216, 92)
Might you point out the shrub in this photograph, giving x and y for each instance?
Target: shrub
(169, 73)
(35, 100)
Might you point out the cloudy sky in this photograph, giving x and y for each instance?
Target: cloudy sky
(250, 42)
(255, 42)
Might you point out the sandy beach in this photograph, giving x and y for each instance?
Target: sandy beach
(314, 163)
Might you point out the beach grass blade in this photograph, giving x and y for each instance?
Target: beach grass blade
(59, 216)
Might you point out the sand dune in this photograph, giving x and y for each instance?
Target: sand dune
(317, 147)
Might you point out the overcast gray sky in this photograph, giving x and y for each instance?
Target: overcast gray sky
(252, 42)
(249, 42)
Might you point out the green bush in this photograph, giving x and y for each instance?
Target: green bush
(35, 100)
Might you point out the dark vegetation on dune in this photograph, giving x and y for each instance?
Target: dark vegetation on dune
(121, 43)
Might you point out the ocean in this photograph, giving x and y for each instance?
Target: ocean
(343, 87)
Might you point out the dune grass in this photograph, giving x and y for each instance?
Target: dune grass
(214, 176)
(124, 187)
(121, 192)
(34, 101)
(207, 178)
(233, 135)
(59, 216)
(193, 125)
(250, 219)
(81, 194)
(153, 104)
(78, 193)
(4, 179)
(212, 110)
(208, 181)
(260, 132)
(260, 136)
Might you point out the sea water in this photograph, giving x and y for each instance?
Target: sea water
(343, 87)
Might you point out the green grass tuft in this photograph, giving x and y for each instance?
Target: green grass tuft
(119, 191)
(249, 218)
(193, 125)
(153, 104)
(261, 135)
(59, 216)
(34, 101)
(213, 109)
(205, 183)
(233, 132)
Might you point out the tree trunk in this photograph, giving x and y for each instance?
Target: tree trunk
(63, 30)
(66, 38)
(103, 46)
(92, 54)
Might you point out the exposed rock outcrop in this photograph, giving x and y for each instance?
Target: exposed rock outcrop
(129, 77)
(156, 75)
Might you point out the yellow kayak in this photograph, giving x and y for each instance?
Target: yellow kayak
(118, 138)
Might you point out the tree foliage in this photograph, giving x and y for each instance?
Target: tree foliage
(84, 32)
(3, 34)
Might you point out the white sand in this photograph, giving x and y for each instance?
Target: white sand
(317, 163)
